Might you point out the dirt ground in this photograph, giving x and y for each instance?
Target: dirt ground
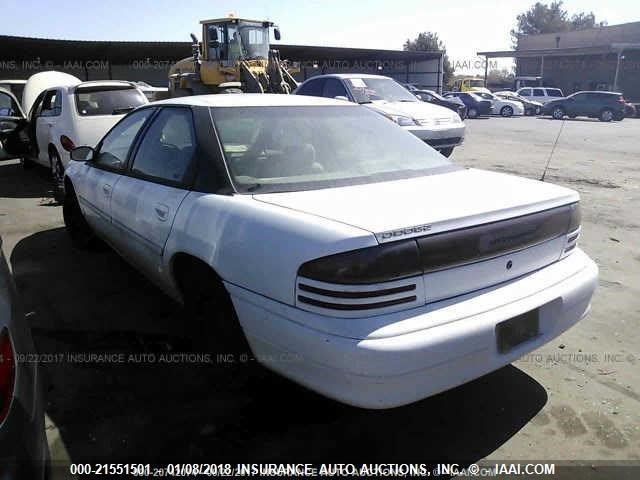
(577, 398)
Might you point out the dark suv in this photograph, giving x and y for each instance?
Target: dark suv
(606, 106)
(476, 106)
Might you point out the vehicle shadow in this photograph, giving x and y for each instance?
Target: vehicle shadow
(18, 182)
(128, 404)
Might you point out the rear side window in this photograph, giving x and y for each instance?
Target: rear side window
(554, 92)
(538, 92)
(168, 147)
(526, 92)
(312, 88)
(334, 88)
(91, 101)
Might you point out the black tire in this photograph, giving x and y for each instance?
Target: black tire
(606, 115)
(27, 163)
(211, 323)
(529, 112)
(538, 110)
(446, 151)
(472, 112)
(619, 116)
(57, 175)
(506, 111)
(77, 227)
(558, 113)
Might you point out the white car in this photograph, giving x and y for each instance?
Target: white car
(531, 107)
(438, 126)
(14, 86)
(354, 259)
(502, 106)
(76, 113)
(540, 94)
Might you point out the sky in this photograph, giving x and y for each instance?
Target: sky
(465, 26)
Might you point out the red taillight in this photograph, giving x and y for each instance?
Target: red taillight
(66, 143)
(7, 373)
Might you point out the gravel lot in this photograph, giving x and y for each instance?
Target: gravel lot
(575, 399)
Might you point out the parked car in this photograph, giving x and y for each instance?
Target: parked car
(605, 106)
(39, 82)
(476, 106)
(14, 86)
(453, 103)
(435, 125)
(530, 107)
(63, 116)
(23, 443)
(540, 94)
(501, 106)
(353, 258)
(14, 140)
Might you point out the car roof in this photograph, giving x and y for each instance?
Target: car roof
(348, 75)
(606, 92)
(253, 100)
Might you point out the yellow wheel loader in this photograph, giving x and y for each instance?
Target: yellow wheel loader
(234, 56)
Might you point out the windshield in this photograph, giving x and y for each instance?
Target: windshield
(254, 40)
(275, 149)
(104, 100)
(476, 83)
(366, 90)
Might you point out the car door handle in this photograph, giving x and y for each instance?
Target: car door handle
(106, 188)
(162, 212)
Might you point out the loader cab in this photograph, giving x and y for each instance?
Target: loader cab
(231, 39)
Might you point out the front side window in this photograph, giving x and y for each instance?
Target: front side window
(168, 146)
(271, 149)
(8, 106)
(554, 92)
(115, 146)
(105, 100)
(525, 92)
(51, 104)
(538, 92)
(367, 90)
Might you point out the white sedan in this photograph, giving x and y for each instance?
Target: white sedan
(501, 106)
(65, 112)
(353, 258)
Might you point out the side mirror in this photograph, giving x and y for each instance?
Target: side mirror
(276, 33)
(82, 154)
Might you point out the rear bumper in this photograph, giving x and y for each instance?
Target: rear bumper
(389, 371)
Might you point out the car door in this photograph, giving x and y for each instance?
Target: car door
(161, 172)
(14, 142)
(44, 122)
(97, 178)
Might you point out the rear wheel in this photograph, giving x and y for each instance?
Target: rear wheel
(77, 227)
(619, 116)
(606, 115)
(57, 175)
(558, 113)
(506, 111)
(211, 323)
(472, 113)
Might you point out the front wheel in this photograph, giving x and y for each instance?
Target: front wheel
(472, 113)
(506, 111)
(558, 113)
(606, 115)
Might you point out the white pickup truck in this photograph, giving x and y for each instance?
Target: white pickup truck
(353, 258)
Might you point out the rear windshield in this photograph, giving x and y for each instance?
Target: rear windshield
(92, 101)
(276, 149)
(554, 92)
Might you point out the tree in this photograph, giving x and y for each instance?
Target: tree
(429, 41)
(553, 18)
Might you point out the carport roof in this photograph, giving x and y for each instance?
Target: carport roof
(21, 49)
(562, 52)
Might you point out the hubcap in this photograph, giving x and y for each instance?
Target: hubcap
(607, 115)
(558, 113)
